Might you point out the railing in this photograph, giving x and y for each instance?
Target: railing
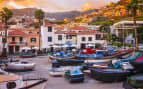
(17, 43)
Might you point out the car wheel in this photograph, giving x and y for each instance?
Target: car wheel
(70, 80)
(82, 80)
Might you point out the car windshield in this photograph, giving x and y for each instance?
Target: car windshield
(76, 72)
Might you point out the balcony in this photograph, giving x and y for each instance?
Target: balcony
(17, 43)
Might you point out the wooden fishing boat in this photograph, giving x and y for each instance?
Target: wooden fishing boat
(115, 55)
(59, 58)
(109, 75)
(138, 65)
(136, 81)
(19, 66)
(27, 55)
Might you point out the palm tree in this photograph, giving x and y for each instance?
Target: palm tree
(39, 15)
(5, 14)
(134, 5)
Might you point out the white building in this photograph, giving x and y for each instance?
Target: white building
(1, 44)
(47, 34)
(78, 35)
(89, 38)
(117, 28)
(59, 38)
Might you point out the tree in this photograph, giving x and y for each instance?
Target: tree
(5, 14)
(134, 5)
(39, 15)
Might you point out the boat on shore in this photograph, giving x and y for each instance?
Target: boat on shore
(135, 81)
(23, 66)
(59, 58)
(27, 55)
(109, 75)
(114, 55)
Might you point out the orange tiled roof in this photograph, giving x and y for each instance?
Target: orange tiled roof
(70, 32)
(33, 34)
(85, 33)
(59, 28)
(59, 32)
(95, 31)
(48, 24)
(1, 24)
(16, 32)
(80, 28)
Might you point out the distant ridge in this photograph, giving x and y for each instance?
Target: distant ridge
(56, 15)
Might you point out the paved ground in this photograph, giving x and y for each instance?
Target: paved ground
(42, 68)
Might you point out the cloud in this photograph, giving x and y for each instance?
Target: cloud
(54, 5)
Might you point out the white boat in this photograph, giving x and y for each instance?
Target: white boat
(19, 66)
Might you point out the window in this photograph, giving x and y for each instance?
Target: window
(98, 37)
(68, 36)
(83, 39)
(49, 39)
(59, 37)
(21, 39)
(13, 39)
(89, 38)
(3, 40)
(50, 29)
(33, 40)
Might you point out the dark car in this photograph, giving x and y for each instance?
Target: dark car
(67, 62)
(74, 75)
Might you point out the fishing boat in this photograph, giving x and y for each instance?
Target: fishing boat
(114, 55)
(61, 55)
(135, 81)
(138, 65)
(27, 55)
(23, 66)
(133, 57)
(109, 75)
(59, 58)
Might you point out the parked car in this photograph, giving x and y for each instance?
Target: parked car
(56, 73)
(67, 62)
(74, 75)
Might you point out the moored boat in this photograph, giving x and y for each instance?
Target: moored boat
(19, 66)
(27, 55)
(136, 81)
(109, 75)
(115, 55)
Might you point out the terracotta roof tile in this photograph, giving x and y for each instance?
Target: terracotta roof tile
(59, 32)
(95, 31)
(70, 32)
(48, 24)
(1, 24)
(80, 28)
(85, 33)
(33, 34)
(17, 32)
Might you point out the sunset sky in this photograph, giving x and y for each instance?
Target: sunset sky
(55, 5)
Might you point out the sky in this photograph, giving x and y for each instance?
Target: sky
(55, 5)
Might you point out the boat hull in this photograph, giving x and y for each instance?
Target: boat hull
(110, 75)
(19, 67)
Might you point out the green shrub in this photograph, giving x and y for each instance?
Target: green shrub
(39, 52)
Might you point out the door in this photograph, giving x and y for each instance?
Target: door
(16, 49)
(11, 49)
(83, 46)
